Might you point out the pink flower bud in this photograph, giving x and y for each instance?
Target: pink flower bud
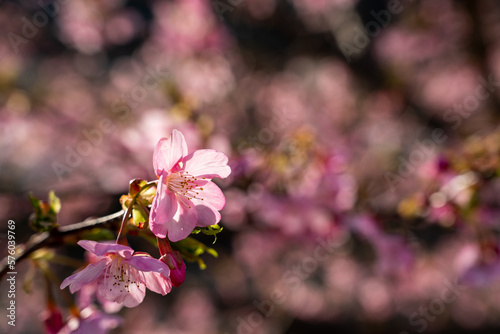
(177, 267)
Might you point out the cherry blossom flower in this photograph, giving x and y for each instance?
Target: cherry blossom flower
(121, 275)
(186, 197)
(87, 295)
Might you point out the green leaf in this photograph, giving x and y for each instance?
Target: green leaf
(209, 230)
(212, 252)
(36, 204)
(191, 249)
(54, 202)
(44, 217)
(139, 216)
(201, 264)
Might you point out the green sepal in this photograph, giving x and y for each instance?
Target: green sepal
(44, 217)
(191, 249)
(139, 216)
(209, 230)
(140, 196)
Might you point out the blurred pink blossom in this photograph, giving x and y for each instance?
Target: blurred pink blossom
(91, 321)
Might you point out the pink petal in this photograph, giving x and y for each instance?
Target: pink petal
(134, 296)
(207, 209)
(85, 295)
(184, 221)
(117, 293)
(212, 196)
(89, 245)
(147, 263)
(158, 283)
(163, 209)
(168, 152)
(101, 248)
(107, 305)
(207, 163)
(98, 323)
(207, 215)
(123, 284)
(88, 275)
(95, 323)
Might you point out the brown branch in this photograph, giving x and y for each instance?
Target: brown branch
(56, 237)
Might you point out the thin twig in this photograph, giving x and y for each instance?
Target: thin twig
(55, 237)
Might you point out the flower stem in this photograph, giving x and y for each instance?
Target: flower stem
(51, 279)
(163, 246)
(122, 235)
(58, 236)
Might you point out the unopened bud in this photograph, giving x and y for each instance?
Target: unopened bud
(177, 267)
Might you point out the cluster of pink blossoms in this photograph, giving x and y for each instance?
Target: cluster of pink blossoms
(185, 198)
